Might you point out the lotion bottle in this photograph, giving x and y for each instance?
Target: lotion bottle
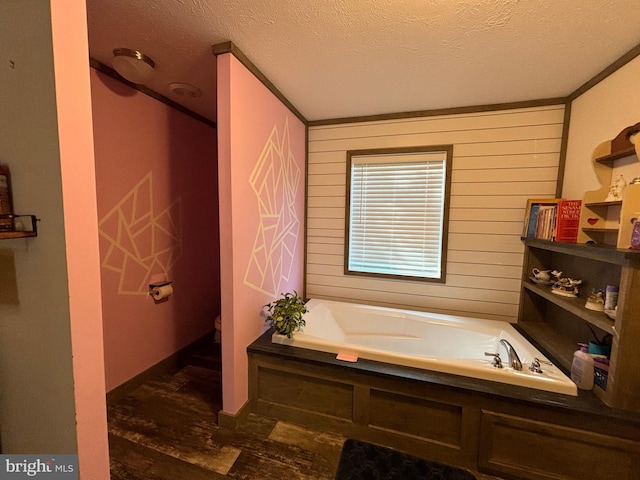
(582, 368)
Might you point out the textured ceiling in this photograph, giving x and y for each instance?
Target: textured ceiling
(342, 58)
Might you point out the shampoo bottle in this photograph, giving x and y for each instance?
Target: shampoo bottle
(582, 368)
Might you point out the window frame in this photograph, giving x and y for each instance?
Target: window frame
(448, 150)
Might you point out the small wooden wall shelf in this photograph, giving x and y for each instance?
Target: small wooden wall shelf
(609, 222)
(20, 233)
(625, 152)
(615, 203)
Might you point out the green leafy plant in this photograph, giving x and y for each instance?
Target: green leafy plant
(285, 314)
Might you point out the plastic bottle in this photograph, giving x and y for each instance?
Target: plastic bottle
(611, 297)
(635, 233)
(582, 368)
(5, 200)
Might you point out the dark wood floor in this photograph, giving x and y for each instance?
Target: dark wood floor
(167, 429)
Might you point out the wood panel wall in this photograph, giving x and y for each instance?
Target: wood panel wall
(500, 159)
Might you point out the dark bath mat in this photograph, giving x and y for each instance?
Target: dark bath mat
(365, 461)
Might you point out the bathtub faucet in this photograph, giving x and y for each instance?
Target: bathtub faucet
(514, 360)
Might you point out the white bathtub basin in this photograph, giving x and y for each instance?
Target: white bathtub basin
(442, 343)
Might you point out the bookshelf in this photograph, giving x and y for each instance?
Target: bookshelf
(559, 323)
(600, 257)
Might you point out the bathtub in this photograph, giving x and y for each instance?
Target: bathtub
(441, 343)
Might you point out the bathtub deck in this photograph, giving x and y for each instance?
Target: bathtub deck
(462, 421)
(585, 402)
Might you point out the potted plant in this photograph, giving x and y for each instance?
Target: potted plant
(285, 314)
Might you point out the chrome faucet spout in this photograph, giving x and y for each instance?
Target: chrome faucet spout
(514, 360)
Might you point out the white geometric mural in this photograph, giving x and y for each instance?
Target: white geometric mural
(274, 180)
(142, 243)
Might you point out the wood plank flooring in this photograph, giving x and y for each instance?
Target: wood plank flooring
(167, 429)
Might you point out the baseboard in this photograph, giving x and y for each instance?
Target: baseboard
(170, 364)
(230, 421)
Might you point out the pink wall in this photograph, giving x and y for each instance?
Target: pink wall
(262, 168)
(73, 100)
(158, 218)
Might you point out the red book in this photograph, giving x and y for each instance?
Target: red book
(568, 220)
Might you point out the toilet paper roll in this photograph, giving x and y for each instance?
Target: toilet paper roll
(159, 293)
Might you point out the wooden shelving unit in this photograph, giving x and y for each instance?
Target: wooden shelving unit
(601, 257)
(576, 307)
(557, 324)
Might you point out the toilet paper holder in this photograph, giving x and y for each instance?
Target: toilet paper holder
(153, 288)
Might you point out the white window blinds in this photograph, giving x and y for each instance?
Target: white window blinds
(397, 212)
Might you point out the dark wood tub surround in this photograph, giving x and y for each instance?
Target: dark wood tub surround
(511, 431)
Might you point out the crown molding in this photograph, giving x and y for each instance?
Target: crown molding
(102, 68)
(230, 47)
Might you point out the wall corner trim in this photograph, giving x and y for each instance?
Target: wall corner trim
(231, 421)
(610, 70)
(563, 149)
(230, 47)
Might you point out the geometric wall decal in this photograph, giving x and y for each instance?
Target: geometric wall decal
(274, 180)
(142, 243)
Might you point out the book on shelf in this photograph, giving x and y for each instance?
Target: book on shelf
(554, 219)
(531, 220)
(568, 221)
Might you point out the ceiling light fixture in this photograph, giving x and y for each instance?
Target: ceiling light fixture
(133, 65)
(185, 90)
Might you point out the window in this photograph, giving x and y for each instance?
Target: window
(397, 212)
